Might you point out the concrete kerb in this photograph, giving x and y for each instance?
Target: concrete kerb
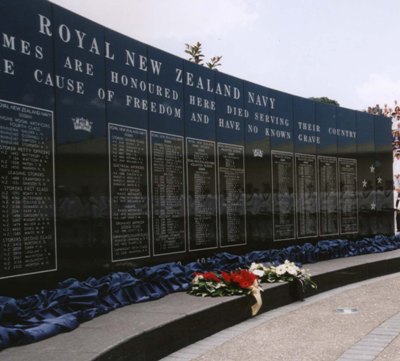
(152, 330)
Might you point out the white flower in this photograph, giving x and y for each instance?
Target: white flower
(280, 270)
(258, 272)
(254, 266)
(292, 271)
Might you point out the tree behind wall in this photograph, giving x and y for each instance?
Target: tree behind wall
(196, 55)
(326, 100)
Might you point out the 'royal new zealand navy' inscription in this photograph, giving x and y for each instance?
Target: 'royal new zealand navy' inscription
(153, 158)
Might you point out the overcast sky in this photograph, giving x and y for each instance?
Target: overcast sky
(348, 50)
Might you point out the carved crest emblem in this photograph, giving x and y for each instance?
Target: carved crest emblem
(258, 153)
(82, 124)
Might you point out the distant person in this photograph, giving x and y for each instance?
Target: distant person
(395, 124)
(396, 185)
(377, 110)
(385, 110)
(396, 171)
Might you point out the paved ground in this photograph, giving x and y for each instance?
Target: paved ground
(309, 330)
(314, 329)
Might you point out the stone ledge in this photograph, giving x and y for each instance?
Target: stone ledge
(152, 330)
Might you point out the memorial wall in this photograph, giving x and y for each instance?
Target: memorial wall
(115, 153)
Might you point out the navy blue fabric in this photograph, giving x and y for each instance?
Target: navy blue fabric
(34, 318)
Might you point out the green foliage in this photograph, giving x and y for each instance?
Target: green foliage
(214, 62)
(285, 272)
(196, 55)
(216, 284)
(325, 100)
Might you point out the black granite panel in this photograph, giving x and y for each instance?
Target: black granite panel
(126, 93)
(81, 134)
(230, 115)
(307, 133)
(328, 201)
(325, 118)
(258, 165)
(348, 202)
(166, 119)
(346, 133)
(383, 171)
(126, 97)
(306, 195)
(26, 53)
(231, 195)
(201, 158)
(167, 175)
(129, 191)
(201, 194)
(28, 224)
(165, 92)
(306, 139)
(366, 174)
(280, 122)
(283, 208)
(327, 172)
(199, 100)
(280, 131)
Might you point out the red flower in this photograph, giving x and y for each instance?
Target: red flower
(210, 276)
(226, 276)
(243, 278)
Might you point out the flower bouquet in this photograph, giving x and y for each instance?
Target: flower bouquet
(285, 272)
(245, 282)
(238, 282)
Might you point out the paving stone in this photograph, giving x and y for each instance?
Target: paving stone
(119, 326)
(367, 348)
(358, 356)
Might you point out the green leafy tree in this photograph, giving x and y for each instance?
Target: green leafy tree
(214, 62)
(326, 100)
(196, 55)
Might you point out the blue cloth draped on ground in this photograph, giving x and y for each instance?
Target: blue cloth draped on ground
(49, 313)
